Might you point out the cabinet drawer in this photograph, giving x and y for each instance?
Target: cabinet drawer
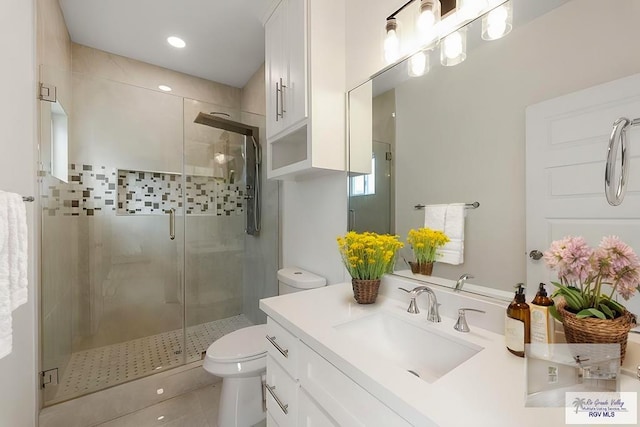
(347, 402)
(283, 347)
(282, 395)
(310, 414)
(271, 422)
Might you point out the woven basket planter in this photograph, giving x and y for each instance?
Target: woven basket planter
(365, 291)
(425, 268)
(596, 331)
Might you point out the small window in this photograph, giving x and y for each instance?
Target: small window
(365, 185)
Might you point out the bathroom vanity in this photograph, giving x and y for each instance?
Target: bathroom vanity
(332, 361)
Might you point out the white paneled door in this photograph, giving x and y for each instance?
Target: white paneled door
(566, 148)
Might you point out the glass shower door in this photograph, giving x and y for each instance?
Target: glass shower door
(214, 228)
(111, 275)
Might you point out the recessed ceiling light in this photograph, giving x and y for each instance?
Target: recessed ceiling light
(176, 42)
(164, 88)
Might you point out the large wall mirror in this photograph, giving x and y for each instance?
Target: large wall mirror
(457, 133)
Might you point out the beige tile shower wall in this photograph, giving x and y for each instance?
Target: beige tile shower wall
(124, 126)
(108, 66)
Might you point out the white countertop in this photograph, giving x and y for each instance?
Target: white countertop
(486, 390)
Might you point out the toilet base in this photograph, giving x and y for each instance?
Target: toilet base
(241, 402)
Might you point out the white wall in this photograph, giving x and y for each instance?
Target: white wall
(17, 174)
(313, 215)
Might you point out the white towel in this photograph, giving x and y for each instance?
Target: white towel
(13, 263)
(450, 220)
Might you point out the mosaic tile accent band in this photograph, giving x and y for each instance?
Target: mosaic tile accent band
(98, 190)
(154, 192)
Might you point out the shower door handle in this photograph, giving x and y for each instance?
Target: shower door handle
(172, 223)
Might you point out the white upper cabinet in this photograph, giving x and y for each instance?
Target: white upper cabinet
(305, 88)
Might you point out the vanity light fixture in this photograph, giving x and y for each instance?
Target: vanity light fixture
(391, 41)
(164, 88)
(453, 49)
(428, 16)
(471, 8)
(176, 42)
(498, 22)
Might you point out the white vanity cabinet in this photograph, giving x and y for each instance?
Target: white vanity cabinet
(304, 389)
(305, 88)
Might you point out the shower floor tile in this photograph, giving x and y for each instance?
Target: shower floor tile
(98, 368)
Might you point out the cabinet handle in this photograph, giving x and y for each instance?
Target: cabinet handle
(284, 352)
(275, 397)
(278, 90)
(282, 88)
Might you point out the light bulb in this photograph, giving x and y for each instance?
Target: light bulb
(496, 30)
(453, 45)
(391, 42)
(497, 23)
(417, 64)
(426, 20)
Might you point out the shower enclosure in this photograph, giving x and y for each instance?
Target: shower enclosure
(152, 249)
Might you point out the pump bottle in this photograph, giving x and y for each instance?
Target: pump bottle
(516, 323)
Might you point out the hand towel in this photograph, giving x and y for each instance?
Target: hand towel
(13, 263)
(453, 252)
(434, 216)
(450, 220)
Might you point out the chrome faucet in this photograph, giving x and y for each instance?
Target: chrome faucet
(461, 280)
(433, 314)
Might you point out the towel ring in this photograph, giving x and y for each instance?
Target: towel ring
(615, 194)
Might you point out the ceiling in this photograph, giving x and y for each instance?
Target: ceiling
(225, 38)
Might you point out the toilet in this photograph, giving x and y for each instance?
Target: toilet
(240, 359)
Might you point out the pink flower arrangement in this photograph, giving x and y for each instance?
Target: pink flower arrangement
(583, 271)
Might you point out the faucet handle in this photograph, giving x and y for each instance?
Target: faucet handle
(461, 324)
(413, 307)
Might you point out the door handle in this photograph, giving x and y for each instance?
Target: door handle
(172, 223)
(535, 255)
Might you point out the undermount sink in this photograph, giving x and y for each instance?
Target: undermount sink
(426, 354)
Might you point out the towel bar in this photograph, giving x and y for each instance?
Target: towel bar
(473, 205)
(28, 198)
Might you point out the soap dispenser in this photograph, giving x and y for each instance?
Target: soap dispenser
(542, 329)
(516, 325)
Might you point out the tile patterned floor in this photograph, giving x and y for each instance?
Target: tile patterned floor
(102, 367)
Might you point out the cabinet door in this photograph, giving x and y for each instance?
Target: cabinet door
(296, 90)
(275, 67)
(282, 395)
(310, 414)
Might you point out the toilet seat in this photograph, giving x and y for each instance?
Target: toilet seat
(242, 345)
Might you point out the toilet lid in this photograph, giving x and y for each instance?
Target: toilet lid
(245, 343)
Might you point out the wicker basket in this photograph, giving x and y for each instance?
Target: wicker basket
(598, 331)
(365, 291)
(425, 268)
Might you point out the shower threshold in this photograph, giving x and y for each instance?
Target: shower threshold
(99, 368)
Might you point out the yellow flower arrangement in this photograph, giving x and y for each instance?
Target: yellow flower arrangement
(424, 242)
(368, 255)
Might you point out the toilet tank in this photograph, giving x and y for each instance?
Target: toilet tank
(293, 279)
